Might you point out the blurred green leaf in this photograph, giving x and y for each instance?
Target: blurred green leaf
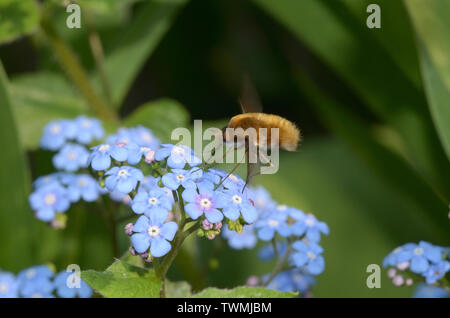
(105, 6)
(395, 35)
(178, 289)
(133, 260)
(38, 98)
(123, 280)
(17, 18)
(367, 216)
(243, 292)
(136, 42)
(15, 214)
(162, 116)
(401, 176)
(355, 53)
(431, 21)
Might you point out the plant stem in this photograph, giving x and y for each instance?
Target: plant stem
(445, 284)
(99, 57)
(275, 249)
(162, 268)
(75, 71)
(278, 266)
(110, 212)
(182, 211)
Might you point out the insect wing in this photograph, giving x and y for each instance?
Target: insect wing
(249, 100)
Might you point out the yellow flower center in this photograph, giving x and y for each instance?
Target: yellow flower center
(153, 231)
(50, 199)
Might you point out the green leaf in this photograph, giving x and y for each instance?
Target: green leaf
(178, 289)
(17, 18)
(243, 292)
(39, 98)
(133, 260)
(136, 43)
(162, 116)
(433, 28)
(354, 52)
(123, 280)
(16, 216)
(105, 6)
(395, 35)
(401, 175)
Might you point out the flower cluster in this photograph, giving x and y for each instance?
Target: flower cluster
(294, 234)
(412, 263)
(53, 194)
(292, 280)
(41, 282)
(206, 197)
(170, 175)
(172, 195)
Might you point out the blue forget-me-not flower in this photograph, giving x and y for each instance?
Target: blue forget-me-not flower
(152, 232)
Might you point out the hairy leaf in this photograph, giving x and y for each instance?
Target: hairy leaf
(123, 280)
(243, 292)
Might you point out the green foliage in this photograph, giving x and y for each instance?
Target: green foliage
(17, 18)
(42, 97)
(16, 217)
(105, 6)
(243, 292)
(136, 42)
(433, 27)
(375, 191)
(371, 70)
(178, 289)
(402, 176)
(162, 116)
(123, 280)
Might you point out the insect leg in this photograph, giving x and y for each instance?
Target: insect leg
(234, 169)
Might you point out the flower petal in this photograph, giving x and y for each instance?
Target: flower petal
(168, 230)
(159, 247)
(126, 185)
(192, 210)
(419, 264)
(299, 259)
(266, 233)
(249, 213)
(170, 181)
(316, 266)
(189, 195)
(214, 215)
(140, 242)
(232, 213)
(158, 216)
(142, 224)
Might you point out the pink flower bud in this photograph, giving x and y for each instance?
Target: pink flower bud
(211, 236)
(218, 225)
(391, 272)
(171, 217)
(132, 251)
(126, 199)
(150, 156)
(144, 255)
(129, 229)
(409, 282)
(398, 280)
(252, 281)
(206, 225)
(403, 266)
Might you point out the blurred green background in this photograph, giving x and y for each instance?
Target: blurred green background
(373, 106)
